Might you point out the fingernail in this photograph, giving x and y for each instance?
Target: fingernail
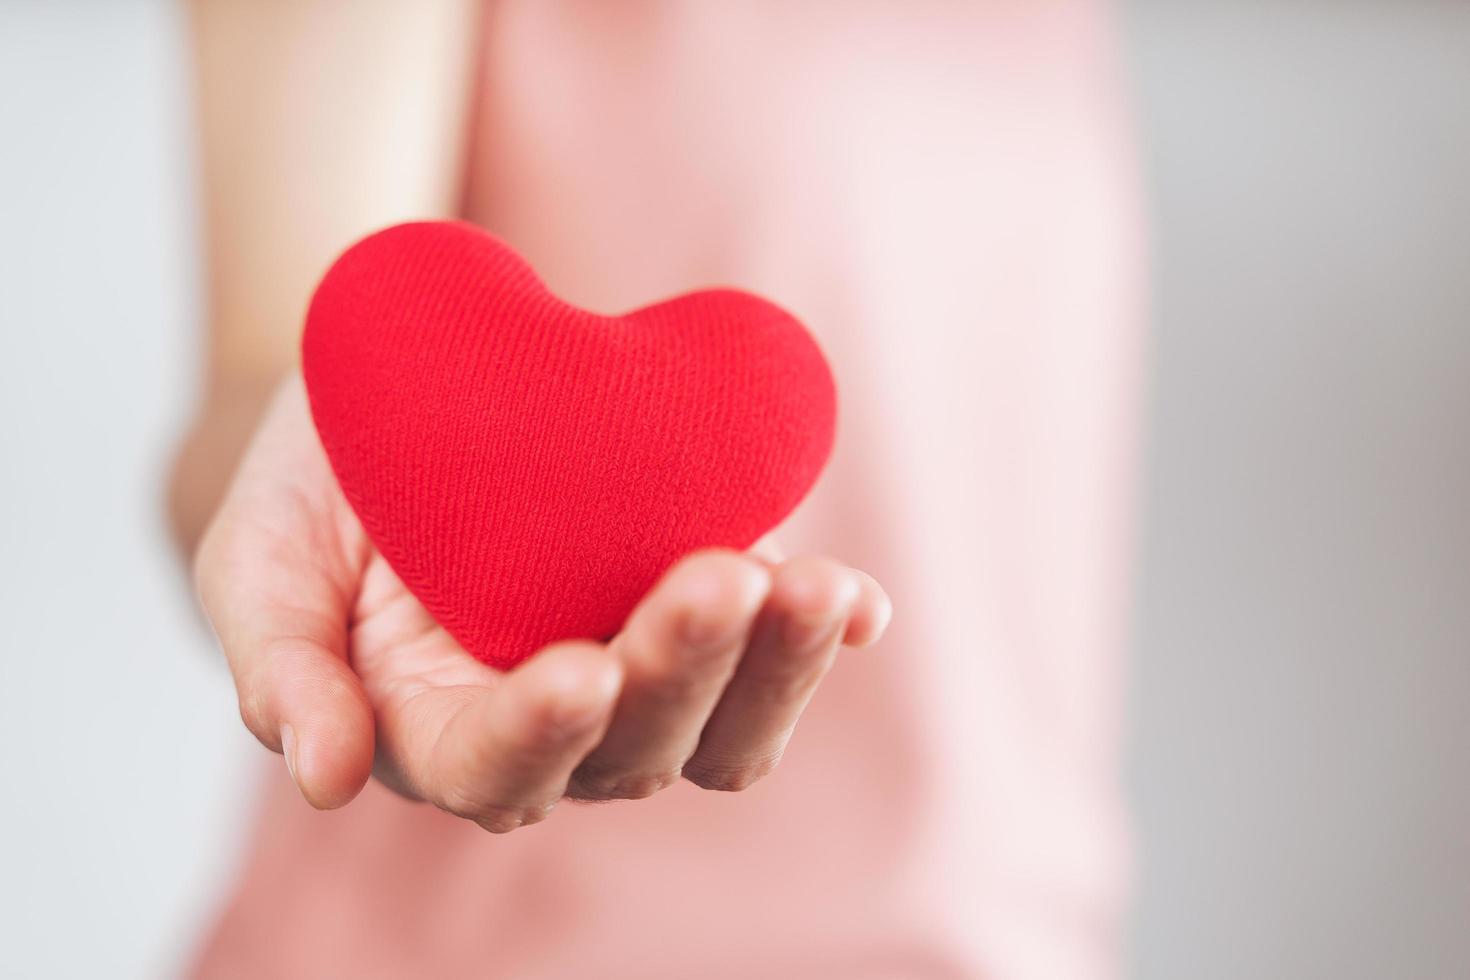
(288, 749)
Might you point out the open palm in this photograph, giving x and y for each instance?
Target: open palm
(339, 667)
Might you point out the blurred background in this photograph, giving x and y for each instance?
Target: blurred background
(1301, 675)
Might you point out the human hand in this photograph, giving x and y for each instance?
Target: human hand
(340, 668)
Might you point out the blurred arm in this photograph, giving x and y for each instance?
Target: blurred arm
(319, 120)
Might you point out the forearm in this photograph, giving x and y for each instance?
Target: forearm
(319, 120)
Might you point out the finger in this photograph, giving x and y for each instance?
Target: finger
(767, 552)
(679, 649)
(871, 614)
(795, 643)
(505, 757)
(283, 631)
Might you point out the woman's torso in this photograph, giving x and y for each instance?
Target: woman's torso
(942, 192)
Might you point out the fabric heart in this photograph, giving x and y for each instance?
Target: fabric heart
(528, 468)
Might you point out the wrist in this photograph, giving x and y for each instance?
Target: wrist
(205, 457)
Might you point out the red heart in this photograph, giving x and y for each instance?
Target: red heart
(528, 468)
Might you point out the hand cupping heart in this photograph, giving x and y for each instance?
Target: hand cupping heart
(529, 468)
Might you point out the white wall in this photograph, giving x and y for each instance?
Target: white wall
(1301, 735)
(120, 750)
(1302, 681)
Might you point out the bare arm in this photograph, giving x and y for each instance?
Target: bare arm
(319, 121)
(322, 119)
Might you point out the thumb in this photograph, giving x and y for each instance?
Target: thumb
(280, 612)
(297, 693)
(299, 697)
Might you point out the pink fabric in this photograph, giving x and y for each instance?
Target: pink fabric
(943, 192)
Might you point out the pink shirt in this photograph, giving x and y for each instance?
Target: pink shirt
(943, 192)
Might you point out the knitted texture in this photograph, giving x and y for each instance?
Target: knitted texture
(529, 469)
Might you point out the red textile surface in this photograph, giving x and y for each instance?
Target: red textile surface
(528, 468)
